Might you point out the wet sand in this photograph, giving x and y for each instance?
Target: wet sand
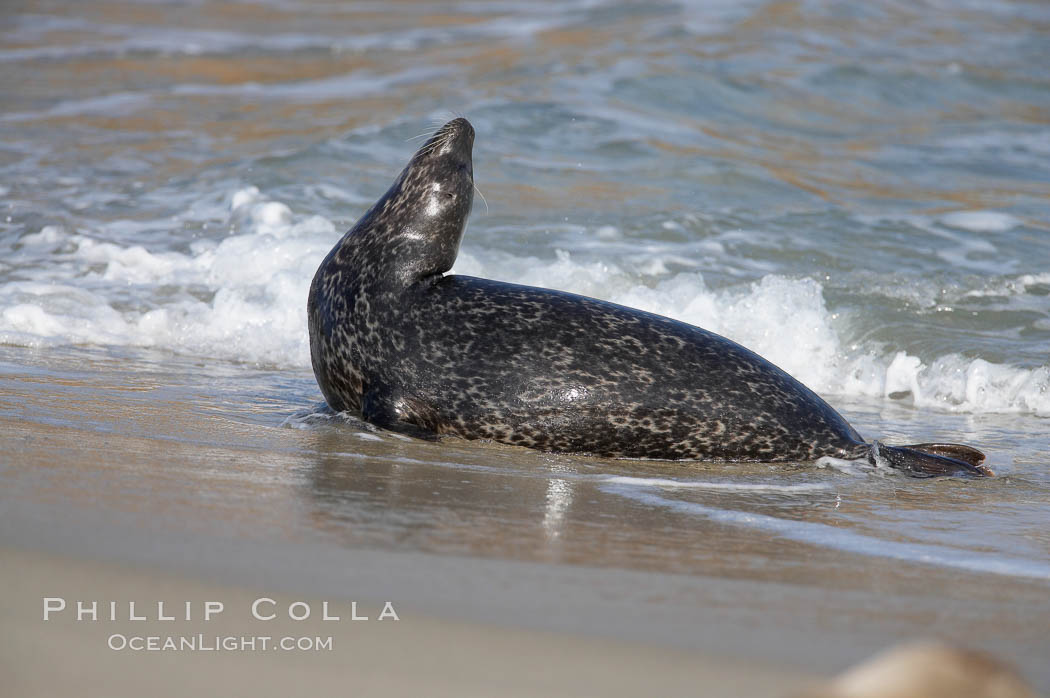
(416, 655)
(127, 477)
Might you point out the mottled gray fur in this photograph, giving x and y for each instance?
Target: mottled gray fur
(413, 350)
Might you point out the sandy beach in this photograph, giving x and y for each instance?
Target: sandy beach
(416, 655)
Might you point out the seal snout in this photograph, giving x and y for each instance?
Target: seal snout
(460, 128)
(454, 140)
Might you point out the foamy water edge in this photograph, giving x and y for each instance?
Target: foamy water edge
(243, 298)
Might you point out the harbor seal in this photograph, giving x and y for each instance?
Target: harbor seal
(411, 349)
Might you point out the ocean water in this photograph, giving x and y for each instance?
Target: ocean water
(860, 193)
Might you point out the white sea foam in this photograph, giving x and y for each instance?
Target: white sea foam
(721, 486)
(243, 297)
(1011, 287)
(981, 221)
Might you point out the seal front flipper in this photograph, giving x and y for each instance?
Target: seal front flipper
(392, 409)
(931, 460)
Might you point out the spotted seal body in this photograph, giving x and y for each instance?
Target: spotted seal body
(413, 350)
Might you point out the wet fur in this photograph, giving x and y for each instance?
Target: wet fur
(413, 350)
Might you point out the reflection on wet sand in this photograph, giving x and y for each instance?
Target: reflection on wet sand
(344, 482)
(489, 500)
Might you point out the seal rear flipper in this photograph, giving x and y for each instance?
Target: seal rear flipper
(966, 454)
(392, 409)
(933, 460)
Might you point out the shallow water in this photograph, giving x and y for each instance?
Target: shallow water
(859, 194)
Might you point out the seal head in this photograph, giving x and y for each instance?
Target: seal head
(413, 232)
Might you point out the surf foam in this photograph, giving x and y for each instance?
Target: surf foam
(243, 298)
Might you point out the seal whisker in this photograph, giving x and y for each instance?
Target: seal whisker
(430, 147)
(483, 200)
